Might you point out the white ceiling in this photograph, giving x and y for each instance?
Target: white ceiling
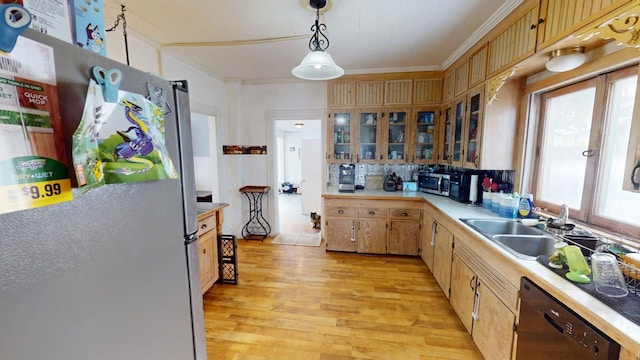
(366, 36)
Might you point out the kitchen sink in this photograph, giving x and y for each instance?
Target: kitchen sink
(526, 247)
(492, 227)
(524, 242)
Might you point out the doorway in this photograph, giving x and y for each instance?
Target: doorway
(299, 174)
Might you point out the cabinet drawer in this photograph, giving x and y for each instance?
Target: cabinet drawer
(206, 224)
(372, 213)
(405, 214)
(340, 211)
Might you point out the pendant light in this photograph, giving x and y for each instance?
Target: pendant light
(318, 64)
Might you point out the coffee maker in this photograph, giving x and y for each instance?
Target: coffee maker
(347, 178)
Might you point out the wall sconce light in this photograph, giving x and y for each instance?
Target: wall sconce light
(298, 125)
(566, 59)
(318, 64)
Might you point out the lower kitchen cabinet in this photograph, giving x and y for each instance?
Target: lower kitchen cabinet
(372, 236)
(340, 234)
(358, 224)
(427, 243)
(208, 260)
(442, 257)
(486, 318)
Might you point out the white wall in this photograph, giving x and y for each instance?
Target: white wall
(248, 124)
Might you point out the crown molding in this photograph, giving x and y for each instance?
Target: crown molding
(477, 35)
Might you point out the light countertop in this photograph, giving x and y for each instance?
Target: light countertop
(626, 332)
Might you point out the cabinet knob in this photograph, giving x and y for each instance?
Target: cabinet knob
(533, 26)
(204, 251)
(340, 211)
(404, 214)
(372, 212)
(204, 226)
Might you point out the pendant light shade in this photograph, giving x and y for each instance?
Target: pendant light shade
(566, 59)
(318, 64)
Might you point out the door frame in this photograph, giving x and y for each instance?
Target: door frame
(272, 173)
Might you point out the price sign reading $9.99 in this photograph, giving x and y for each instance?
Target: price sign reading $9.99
(31, 182)
(34, 191)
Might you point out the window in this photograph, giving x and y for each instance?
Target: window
(581, 151)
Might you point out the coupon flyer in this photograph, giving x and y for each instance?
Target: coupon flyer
(33, 164)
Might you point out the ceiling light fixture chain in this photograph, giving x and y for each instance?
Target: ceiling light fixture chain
(123, 18)
(318, 41)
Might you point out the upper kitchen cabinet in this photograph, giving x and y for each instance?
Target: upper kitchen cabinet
(462, 79)
(451, 132)
(341, 94)
(340, 145)
(369, 93)
(368, 139)
(473, 128)
(427, 91)
(559, 18)
(517, 41)
(424, 135)
(398, 92)
(396, 143)
(494, 118)
(478, 66)
(449, 85)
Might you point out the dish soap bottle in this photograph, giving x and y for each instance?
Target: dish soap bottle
(525, 206)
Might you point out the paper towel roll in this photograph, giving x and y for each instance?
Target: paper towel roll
(473, 189)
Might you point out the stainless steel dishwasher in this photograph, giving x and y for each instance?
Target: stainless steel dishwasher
(549, 330)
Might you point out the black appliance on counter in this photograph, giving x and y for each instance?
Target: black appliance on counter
(347, 178)
(460, 186)
(433, 183)
(549, 330)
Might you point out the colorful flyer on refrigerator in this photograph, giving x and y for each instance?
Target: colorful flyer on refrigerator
(33, 170)
(121, 141)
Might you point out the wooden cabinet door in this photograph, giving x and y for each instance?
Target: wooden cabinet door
(462, 79)
(463, 289)
(404, 238)
(478, 67)
(398, 92)
(341, 94)
(442, 258)
(473, 128)
(458, 127)
(340, 136)
(560, 18)
(449, 85)
(517, 42)
(493, 325)
(368, 132)
(369, 93)
(208, 257)
(428, 240)
(372, 236)
(340, 234)
(396, 135)
(424, 135)
(427, 91)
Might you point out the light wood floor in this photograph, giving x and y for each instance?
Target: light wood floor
(298, 302)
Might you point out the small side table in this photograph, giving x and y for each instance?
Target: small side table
(257, 228)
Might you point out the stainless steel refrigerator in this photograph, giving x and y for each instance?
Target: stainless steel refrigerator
(112, 274)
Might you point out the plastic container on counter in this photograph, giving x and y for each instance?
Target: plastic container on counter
(495, 201)
(486, 200)
(508, 207)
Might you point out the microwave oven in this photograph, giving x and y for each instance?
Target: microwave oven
(433, 183)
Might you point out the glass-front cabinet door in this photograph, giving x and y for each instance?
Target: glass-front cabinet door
(425, 136)
(458, 119)
(474, 128)
(368, 135)
(452, 132)
(447, 135)
(340, 144)
(397, 139)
